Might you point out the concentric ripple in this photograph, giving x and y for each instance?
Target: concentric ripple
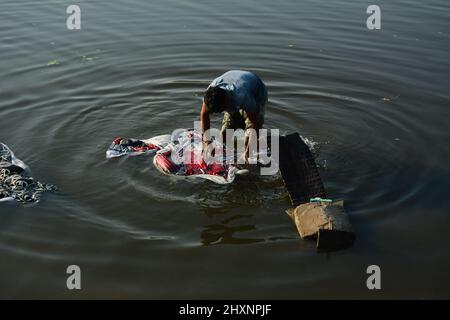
(373, 104)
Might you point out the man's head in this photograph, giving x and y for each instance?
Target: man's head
(216, 100)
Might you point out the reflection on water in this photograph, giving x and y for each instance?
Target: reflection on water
(249, 190)
(227, 232)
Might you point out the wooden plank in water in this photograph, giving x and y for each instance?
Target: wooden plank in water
(299, 171)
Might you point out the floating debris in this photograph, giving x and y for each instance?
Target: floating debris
(15, 182)
(315, 216)
(388, 99)
(325, 221)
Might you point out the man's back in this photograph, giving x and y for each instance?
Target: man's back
(247, 89)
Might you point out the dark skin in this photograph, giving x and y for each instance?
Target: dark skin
(206, 125)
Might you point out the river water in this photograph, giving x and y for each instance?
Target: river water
(375, 104)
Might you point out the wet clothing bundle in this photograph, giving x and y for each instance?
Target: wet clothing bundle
(178, 155)
(15, 182)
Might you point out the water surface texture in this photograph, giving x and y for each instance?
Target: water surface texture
(374, 103)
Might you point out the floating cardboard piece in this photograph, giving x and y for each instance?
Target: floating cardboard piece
(327, 222)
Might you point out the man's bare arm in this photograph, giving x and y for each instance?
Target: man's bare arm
(253, 117)
(206, 124)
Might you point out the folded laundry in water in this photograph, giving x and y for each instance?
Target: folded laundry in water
(16, 183)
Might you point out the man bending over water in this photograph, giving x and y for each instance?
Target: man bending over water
(242, 97)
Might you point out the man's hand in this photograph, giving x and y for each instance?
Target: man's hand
(252, 138)
(244, 158)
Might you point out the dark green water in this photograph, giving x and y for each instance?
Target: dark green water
(375, 103)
